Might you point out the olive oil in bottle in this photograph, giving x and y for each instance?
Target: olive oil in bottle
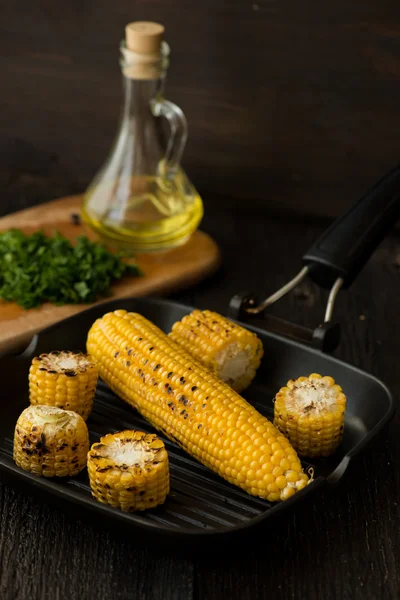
(141, 199)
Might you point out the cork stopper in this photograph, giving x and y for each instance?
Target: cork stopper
(144, 51)
(144, 37)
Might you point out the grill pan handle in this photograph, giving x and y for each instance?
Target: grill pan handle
(345, 247)
(333, 262)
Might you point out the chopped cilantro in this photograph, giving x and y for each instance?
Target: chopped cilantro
(37, 268)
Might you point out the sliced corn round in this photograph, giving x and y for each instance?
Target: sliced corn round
(50, 442)
(310, 412)
(129, 470)
(228, 350)
(64, 379)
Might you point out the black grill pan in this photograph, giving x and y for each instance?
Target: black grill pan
(202, 507)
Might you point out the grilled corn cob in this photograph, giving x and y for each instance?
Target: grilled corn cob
(228, 350)
(310, 412)
(129, 470)
(193, 408)
(64, 379)
(50, 442)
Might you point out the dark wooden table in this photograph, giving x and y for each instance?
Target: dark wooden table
(343, 545)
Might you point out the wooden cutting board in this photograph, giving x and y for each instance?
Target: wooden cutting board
(163, 273)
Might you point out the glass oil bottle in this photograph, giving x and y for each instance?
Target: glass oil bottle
(141, 199)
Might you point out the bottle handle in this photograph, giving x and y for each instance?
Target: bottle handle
(177, 139)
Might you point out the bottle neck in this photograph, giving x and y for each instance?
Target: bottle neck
(144, 78)
(140, 94)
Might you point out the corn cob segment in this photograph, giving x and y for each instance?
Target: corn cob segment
(310, 412)
(50, 442)
(66, 380)
(199, 412)
(228, 350)
(129, 470)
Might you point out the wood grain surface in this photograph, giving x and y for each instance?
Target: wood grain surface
(162, 272)
(289, 104)
(344, 545)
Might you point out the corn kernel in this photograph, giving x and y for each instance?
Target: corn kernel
(287, 493)
(281, 482)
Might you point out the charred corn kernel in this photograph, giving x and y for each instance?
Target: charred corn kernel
(64, 379)
(228, 350)
(129, 470)
(310, 412)
(185, 401)
(50, 442)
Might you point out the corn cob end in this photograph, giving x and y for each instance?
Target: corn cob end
(66, 380)
(50, 442)
(230, 351)
(310, 412)
(129, 470)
